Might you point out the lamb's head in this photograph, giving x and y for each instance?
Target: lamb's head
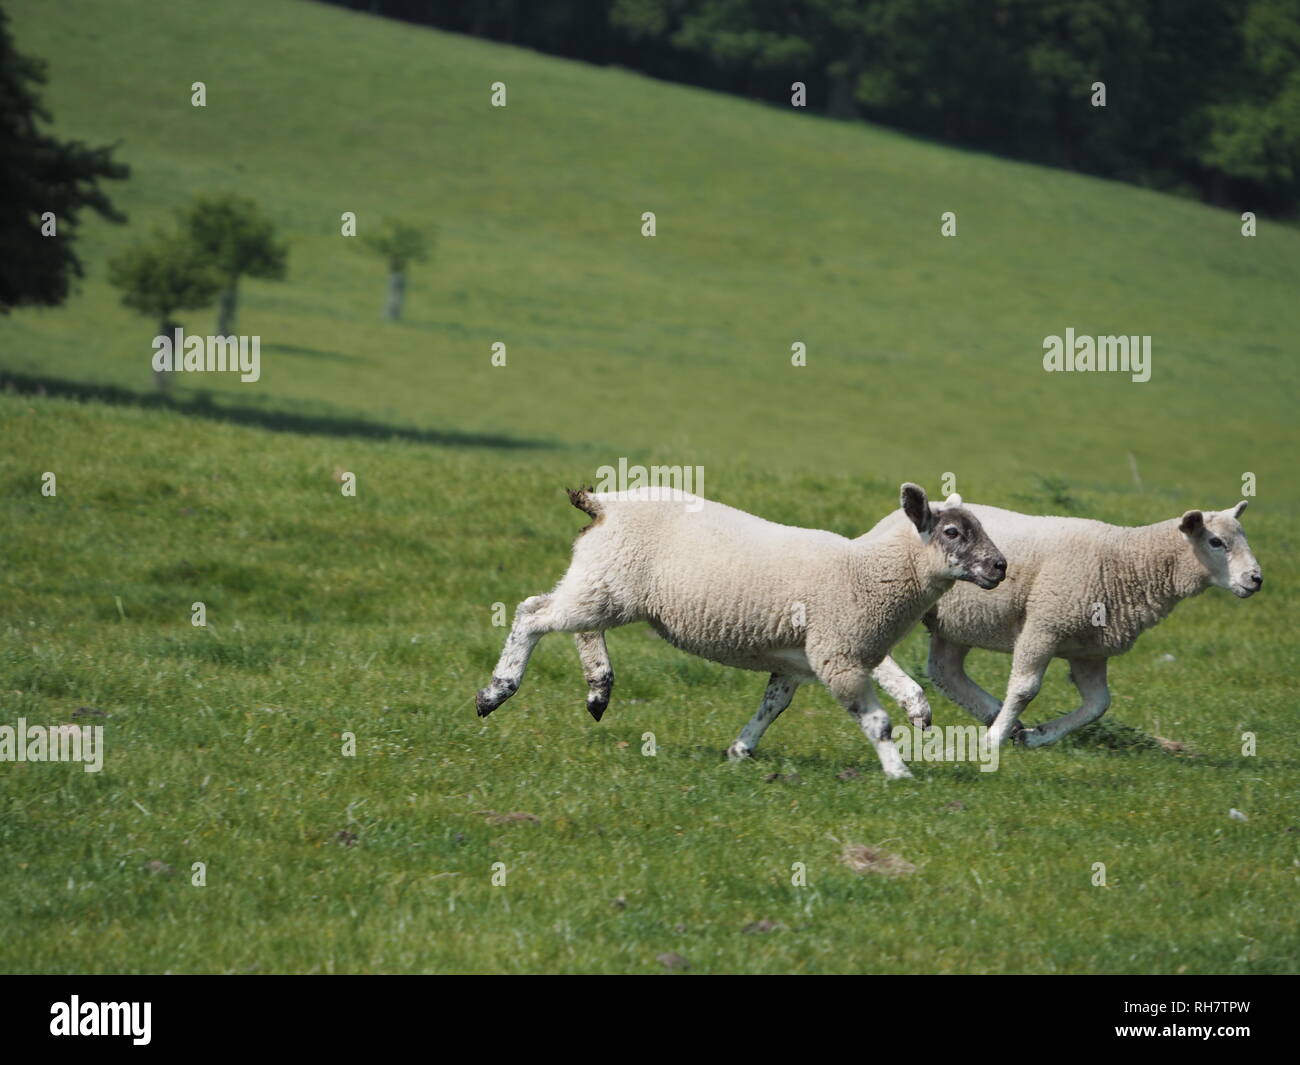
(1219, 543)
(957, 542)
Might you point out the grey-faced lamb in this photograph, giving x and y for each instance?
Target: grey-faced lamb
(801, 604)
(1079, 590)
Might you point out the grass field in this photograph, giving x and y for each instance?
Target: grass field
(372, 615)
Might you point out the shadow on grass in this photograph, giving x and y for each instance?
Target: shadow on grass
(1110, 735)
(311, 353)
(1105, 735)
(203, 406)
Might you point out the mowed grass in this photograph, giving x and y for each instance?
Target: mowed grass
(373, 615)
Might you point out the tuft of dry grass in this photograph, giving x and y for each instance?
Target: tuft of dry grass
(864, 859)
(513, 817)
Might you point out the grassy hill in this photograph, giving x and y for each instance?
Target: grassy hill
(372, 615)
(773, 227)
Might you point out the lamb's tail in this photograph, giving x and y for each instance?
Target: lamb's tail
(585, 501)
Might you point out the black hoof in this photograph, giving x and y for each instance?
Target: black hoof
(597, 708)
(496, 693)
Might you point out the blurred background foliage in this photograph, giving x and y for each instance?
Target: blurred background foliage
(1202, 96)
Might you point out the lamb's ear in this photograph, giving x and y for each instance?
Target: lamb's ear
(916, 507)
(1192, 523)
(1236, 511)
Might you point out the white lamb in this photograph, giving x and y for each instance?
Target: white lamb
(1079, 590)
(802, 604)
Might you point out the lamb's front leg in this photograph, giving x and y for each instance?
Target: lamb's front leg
(1089, 676)
(780, 690)
(904, 691)
(850, 683)
(947, 668)
(1032, 655)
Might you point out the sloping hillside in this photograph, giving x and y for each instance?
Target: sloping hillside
(774, 226)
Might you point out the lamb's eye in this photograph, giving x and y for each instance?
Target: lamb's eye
(951, 532)
(1215, 542)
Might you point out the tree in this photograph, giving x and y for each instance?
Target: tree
(1255, 137)
(233, 234)
(161, 276)
(44, 186)
(765, 43)
(399, 245)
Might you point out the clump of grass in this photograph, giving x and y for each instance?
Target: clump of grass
(863, 859)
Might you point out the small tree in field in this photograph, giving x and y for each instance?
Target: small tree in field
(233, 234)
(162, 276)
(399, 245)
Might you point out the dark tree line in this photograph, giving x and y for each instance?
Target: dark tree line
(45, 187)
(1202, 96)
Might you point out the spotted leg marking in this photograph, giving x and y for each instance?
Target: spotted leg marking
(531, 623)
(780, 690)
(850, 683)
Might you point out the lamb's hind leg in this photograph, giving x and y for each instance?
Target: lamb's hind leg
(596, 668)
(780, 690)
(533, 620)
(1089, 676)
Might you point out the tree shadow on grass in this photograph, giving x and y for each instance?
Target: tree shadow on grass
(281, 421)
(311, 353)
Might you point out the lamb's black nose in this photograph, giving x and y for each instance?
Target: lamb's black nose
(1001, 566)
(1257, 579)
